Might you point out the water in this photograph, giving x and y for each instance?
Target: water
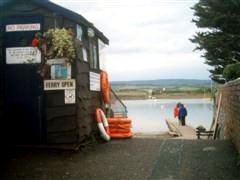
(148, 116)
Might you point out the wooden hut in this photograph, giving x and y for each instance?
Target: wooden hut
(34, 110)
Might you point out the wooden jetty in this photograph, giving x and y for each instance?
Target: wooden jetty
(181, 132)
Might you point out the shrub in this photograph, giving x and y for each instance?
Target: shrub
(201, 128)
(231, 72)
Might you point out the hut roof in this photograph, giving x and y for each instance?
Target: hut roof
(59, 10)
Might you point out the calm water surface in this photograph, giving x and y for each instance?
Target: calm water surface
(148, 116)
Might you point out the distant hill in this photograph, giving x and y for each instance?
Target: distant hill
(160, 83)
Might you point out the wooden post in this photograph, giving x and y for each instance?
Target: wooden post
(215, 127)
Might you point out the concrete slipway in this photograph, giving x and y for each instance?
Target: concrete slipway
(158, 157)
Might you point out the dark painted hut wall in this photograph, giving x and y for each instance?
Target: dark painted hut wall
(87, 101)
(59, 120)
(65, 123)
(1, 77)
(1, 67)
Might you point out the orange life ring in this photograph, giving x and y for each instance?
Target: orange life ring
(119, 121)
(102, 124)
(121, 135)
(105, 87)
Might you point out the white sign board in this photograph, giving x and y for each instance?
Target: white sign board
(69, 96)
(23, 27)
(23, 55)
(94, 79)
(59, 84)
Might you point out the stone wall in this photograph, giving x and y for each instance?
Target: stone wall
(229, 115)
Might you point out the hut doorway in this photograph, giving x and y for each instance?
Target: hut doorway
(23, 89)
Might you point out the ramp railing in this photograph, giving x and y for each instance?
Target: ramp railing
(118, 108)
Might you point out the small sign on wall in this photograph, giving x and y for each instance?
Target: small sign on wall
(23, 27)
(23, 55)
(59, 84)
(69, 96)
(94, 79)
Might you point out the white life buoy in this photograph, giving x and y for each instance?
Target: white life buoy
(102, 124)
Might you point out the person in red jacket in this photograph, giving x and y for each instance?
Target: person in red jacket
(176, 112)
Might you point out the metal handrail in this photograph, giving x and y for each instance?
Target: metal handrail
(120, 102)
(125, 107)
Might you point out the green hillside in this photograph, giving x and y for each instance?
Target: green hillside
(163, 88)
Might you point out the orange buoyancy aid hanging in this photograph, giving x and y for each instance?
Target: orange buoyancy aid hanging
(105, 87)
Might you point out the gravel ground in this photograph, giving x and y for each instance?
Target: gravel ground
(138, 159)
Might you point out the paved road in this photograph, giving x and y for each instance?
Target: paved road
(196, 159)
(137, 159)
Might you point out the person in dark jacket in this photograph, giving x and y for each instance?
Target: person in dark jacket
(182, 114)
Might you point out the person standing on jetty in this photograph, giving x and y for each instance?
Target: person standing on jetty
(176, 112)
(182, 114)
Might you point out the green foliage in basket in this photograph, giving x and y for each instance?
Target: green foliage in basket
(60, 44)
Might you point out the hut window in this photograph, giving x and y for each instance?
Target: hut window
(93, 55)
(79, 32)
(102, 54)
(84, 52)
(61, 71)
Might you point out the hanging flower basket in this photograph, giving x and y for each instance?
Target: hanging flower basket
(55, 44)
(60, 44)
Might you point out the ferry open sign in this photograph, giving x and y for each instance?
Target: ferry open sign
(59, 84)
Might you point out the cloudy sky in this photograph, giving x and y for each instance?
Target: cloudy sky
(149, 39)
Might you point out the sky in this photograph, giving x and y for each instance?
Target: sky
(149, 39)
